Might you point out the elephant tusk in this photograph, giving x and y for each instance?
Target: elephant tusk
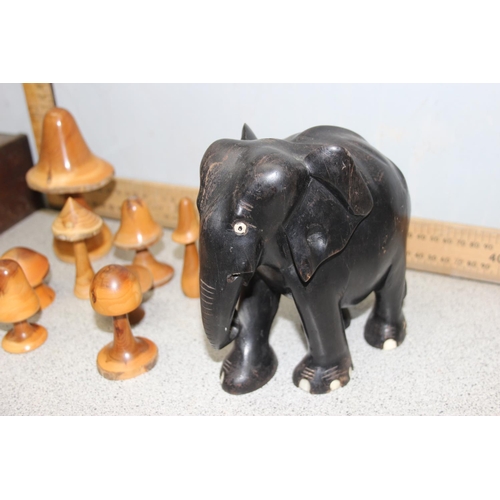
(246, 277)
(235, 326)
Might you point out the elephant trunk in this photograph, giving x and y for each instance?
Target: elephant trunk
(218, 306)
(226, 265)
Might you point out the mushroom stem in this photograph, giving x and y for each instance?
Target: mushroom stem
(80, 199)
(124, 343)
(190, 280)
(84, 271)
(22, 330)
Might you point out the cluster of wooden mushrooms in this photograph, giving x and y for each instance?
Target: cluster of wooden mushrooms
(68, 167)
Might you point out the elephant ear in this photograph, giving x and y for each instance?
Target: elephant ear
(247, 133)
(334, 167)
(336, 200)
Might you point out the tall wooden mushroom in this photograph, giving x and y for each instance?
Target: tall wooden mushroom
(115, 292)
(138, 231)
(67, 166)
(75, 224)
(35, 267)
(186, 233)
(18, 302)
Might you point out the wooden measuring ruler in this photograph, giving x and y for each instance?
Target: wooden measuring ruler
(40, 98)
(454, 249)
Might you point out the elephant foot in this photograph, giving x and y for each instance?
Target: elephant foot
(241, 373)
(383, 335)
(320, 379)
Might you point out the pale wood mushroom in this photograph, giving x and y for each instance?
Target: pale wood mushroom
(186, 233)
(67, 166)
(35, 267)
(75, 224)
(115, 292)
(18, 302)
(138, 231)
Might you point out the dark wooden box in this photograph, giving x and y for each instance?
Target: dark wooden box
(16, 199)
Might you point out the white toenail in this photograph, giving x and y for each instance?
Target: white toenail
(350, 371)
(222, 377)
(390, 344)
(335, 384)
(305, 385)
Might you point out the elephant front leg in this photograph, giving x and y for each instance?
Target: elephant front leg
(252, 362)
(328, 364)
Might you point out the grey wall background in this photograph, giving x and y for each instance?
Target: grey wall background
(444, 137)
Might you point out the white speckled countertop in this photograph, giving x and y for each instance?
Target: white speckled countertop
(449, 363)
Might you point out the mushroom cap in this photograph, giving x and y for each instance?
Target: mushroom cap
(144, 276)
(137, 228)
(18, 300)
(75, 223)
(188, 227)
(115, 290)
(34, 265)
(66, 164)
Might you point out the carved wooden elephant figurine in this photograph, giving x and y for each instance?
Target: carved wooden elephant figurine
(320, 217)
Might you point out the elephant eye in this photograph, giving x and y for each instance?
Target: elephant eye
(240, 228)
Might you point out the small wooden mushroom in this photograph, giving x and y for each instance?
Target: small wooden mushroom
(68, 167)
(18, 302)
(187, 232)
(97, 246)
(146, 283)
(75, 224)
(35, 267)
(138, 231)
(115, 292)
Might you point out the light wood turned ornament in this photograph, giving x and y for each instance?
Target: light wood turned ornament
(35, 267)
(67, 166)
(186, 233)
(115, 292)
(97, 246)
(146, 283)
(75, 224)
(18, 302)
(138, 231)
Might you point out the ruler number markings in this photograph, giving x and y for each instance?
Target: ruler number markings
(454, 249)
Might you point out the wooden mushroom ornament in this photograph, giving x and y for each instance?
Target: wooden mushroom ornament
(67, 166)
(18, 302)
(75, 224)
(187, 233)
(35, 267)
(115, 292)
(138, 231)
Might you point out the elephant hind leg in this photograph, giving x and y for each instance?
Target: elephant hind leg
(386, 326)
(252, 362)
